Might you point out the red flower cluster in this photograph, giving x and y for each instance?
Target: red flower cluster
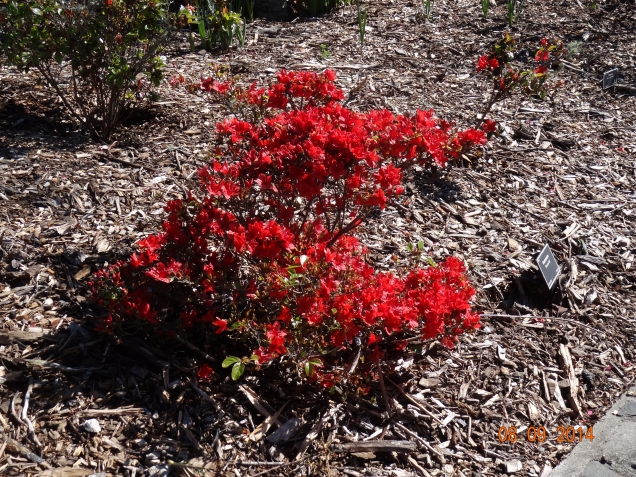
(291, 86)
(544, 51)
(489, 126)
(269, 252)
(507, 78)
(177, 80)
(486, 62)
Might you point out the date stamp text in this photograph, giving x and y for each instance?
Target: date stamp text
(540, 434)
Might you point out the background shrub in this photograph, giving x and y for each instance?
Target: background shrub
(98, 56)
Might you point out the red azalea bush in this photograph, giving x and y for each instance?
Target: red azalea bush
(266, 251)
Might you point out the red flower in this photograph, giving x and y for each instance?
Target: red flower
(238, 240)
(160, 272)
(285, 315)
(152, 243)
(327, 381)
(372, 339)
(262, 355)
(483, 63)
(540, 70)
(401, 345)
(165, 272)
(208, 84)
(489, 126)
(176, 80)
(205, 371)
(276, 338)
(221, 325)
(142, 260)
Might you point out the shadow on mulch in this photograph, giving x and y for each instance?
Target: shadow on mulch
(37, 118)
(428, 183)
(529, 291)
(51, 127)
(140, 116)
(38, 127)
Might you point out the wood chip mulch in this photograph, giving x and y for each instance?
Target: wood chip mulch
(562, 172)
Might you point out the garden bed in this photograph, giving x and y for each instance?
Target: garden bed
(561, 173)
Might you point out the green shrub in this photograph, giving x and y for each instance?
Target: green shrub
(216, 23)
(99, 56)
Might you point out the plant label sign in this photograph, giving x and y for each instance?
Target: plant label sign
(548, 266)
(609, 78)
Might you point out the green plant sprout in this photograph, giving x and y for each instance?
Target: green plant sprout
(324, 51)
(427, 5)
(574, 49)
(515, 7)
(485, 4)
(362, 23)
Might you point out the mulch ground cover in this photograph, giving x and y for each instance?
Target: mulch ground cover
(74, 402)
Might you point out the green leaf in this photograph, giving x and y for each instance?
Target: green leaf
(237, 371)
(58, 57)
(229, 361)
(484, 7)
(420, 245)
(311, 364)
(36, 11)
